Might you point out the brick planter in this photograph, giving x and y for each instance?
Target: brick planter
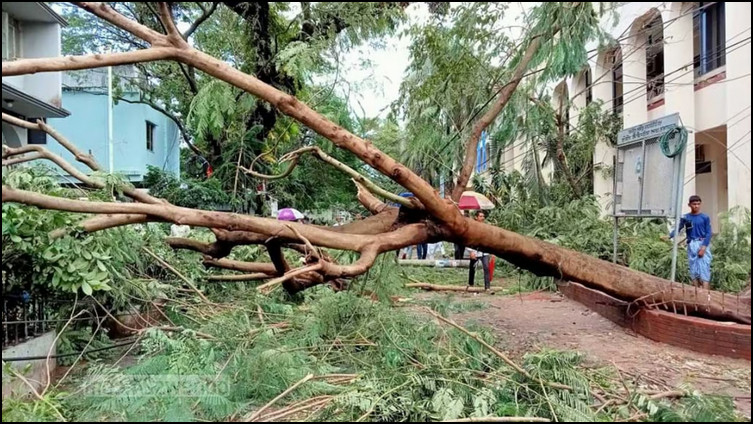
(697, 334)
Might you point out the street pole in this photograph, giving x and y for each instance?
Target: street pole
(679, 183)
(110, 146)
(616, 221)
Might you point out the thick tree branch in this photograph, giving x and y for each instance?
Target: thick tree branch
(43, 152)
(368, 200)
(218, 249)
(409, 234)
(72, 63)
(505, 93)
(166, 17)
(318, 153)
(86, 159)
(103, 222)
(547, 259)
(239, 277)
(286, 103)
(22, 159)
(274, 248)
(248, 267)
(155, 14)
(110, 15)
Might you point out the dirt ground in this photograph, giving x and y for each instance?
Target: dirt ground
(526, 322)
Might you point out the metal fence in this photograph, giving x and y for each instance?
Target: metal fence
(24, 317)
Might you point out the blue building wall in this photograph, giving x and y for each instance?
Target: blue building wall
(87, 128)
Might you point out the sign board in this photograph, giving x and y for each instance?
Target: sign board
(646, 181)
(649, 130)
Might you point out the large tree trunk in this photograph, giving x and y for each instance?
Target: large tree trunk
(547, 259)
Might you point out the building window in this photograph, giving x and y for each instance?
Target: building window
(702, 166)
(615, 61)
(589, 86)
(35, 136)
(655, 58)
(150, 127)
(483, 152)
(11, 38)
(709, 39)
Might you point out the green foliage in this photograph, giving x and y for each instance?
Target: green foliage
(186, 192)
(731, 250)
(451, 77)
(24, 411)
(108, 263)
(448, 305)
(455, 74)
(577, 225)
(80, 340)
(178, 385)
(215, 108)
(408, 367)
(695, 408)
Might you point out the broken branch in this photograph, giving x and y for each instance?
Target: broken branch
(499, 354)
(280, 396)
(239, 277)
(294, 156)
(176, 272)
(438, 287)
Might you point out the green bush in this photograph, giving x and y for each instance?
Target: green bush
(187, 192)
(577, 225)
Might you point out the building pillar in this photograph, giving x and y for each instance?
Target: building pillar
(634, 103)
(679, 93)
(603, 151)
(737, 83)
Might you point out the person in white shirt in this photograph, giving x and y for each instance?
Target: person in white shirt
(477, 255)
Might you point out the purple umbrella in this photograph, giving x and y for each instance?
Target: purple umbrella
(289, 214)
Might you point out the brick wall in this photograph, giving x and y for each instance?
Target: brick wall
(697, 334)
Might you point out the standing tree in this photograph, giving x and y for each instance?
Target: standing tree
(556, 30)
(221, 124)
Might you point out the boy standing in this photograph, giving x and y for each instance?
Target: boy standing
(698, 232)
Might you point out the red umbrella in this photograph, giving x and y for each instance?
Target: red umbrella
(474, 201)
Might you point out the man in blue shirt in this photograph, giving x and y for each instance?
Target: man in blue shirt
(697, 227)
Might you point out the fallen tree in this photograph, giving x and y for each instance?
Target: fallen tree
(426, 218)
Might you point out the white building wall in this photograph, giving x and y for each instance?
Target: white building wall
(737, 84)
(714, 106)
(41, 39)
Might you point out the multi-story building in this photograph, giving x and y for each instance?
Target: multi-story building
(30, 30)
(673, 57)
(139, 135)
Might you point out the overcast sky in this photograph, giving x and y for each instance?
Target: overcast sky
(371, 89)
(390, 62)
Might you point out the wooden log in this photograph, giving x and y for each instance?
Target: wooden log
(438, 287)
(439, 263)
